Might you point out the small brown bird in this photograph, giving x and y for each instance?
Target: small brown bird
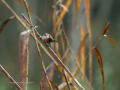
(47, 38)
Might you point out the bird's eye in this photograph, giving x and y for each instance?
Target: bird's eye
(45, 34)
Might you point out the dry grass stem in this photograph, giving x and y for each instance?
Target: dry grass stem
(10, 78)
(66, 79)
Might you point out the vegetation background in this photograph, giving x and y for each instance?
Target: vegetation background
(102, 11)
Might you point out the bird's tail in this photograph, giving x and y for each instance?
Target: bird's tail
(55, 40)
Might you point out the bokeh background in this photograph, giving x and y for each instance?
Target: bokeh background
(102, 11)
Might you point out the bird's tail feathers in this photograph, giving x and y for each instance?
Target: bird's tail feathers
(55, 40)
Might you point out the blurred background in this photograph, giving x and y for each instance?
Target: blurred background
(102, 11)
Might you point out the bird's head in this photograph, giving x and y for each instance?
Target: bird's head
(46, 34)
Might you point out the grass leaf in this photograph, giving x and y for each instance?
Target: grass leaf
(20, 2)
(4, 23)
(87, 8)
(43, 83)
(83, 51)
(112, 41)
(54, 85)
(106, 28)
(23, 55)
(77, 7)
(101, 66)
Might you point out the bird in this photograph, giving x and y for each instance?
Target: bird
(47, 38)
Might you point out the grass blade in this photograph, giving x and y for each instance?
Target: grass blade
(77, 7)
(101, 66)
(112, 41)
(106, 28)
(4, 23)
(54, 85)
(43, 83)
(23, 55)
(83, 52)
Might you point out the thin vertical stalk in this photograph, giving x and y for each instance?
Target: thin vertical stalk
(37, 46)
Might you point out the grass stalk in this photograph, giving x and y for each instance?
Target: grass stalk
(66, 79)
(10, 78)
